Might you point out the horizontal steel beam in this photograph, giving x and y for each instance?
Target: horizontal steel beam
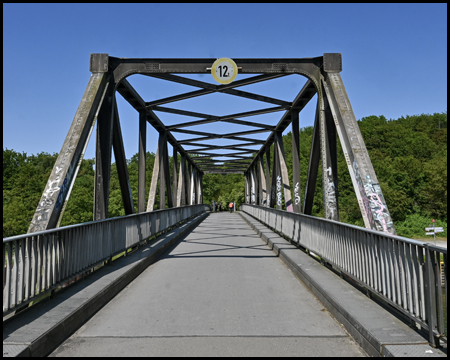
(223, 172)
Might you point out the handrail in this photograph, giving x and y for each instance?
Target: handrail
(36, 263)
(403, 272)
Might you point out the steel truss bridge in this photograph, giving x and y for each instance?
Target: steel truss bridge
(402, 272)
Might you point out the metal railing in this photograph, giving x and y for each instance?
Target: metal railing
(36, 263)
(403, 272)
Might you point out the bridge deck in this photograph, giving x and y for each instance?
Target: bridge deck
(220, 292)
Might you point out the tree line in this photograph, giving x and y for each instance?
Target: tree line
(409, 156)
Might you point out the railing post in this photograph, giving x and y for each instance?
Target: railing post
(430, 296)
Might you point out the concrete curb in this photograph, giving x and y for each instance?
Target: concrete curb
(377, 331)
(39, 330)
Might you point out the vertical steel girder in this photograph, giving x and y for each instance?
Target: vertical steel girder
(313, 167)
(283, 171)
(154, 183)
(193, 186)
(268, 183)
(103, 156)
(189, 184)
(247, 187)
(121, 164)
(174, 179)
(296, 162)
(181, 191)
(262, 183)
(253, 190)
(142, 160)
(329, 164)
(276, 190)
(161, 170)
(199, 188)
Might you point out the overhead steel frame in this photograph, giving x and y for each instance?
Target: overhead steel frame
(334, 116)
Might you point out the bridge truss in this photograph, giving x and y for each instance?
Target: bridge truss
(266, 184)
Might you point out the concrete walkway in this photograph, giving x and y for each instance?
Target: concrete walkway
(220, 292)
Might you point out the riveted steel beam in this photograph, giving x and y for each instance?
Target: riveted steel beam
(181, 192)
(154, 183)
(105, 121)
(174, 179)
(268, 185)
(284, 172)
(314, 157)
(142, 160)
(121, 164)
(123, 67)
(64, 171)
(223, 172)
(372, 204)
(262, 182)
(296, 161)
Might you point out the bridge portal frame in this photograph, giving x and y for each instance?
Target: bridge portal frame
(334, 116)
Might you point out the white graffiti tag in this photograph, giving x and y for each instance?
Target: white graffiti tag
(296, 193)
(278, 190)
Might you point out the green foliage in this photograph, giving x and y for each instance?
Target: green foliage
(415, 224)
(24, 179)
(409, 156)
(223, 189)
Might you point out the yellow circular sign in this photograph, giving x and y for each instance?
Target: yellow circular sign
(224, 70)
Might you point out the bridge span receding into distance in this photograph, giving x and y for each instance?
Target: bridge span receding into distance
(217, 290)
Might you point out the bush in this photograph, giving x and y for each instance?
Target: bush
(414, 227)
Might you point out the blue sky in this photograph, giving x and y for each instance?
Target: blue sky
(394, 59)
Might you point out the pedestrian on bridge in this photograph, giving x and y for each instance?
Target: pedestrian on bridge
(231, 207)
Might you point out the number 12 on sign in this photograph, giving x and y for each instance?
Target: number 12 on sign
(224, 70)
